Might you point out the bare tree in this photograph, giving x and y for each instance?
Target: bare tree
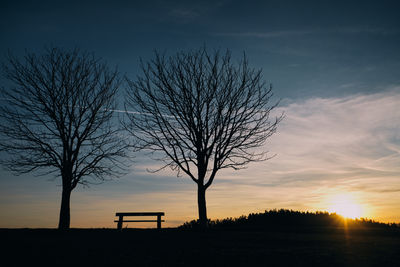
(198, 113)
(58, 119)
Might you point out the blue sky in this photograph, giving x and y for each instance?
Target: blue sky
(335, 64)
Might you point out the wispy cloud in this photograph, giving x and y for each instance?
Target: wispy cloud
(324, 147)
(185, 12)
(299, 33)
(268, 34)
(367, 30)
(355, 134)
(331, 145)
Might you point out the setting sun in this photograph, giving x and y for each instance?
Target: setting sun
(345, 205)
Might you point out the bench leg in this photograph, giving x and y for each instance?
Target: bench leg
(119, 225)
(158, 221)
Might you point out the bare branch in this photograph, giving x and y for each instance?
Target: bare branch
(201, 111)
(57, 118)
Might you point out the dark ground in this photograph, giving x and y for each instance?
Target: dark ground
(178, 247)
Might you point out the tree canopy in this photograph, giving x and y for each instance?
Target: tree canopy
(198, 113)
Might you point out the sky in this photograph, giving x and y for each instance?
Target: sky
(335, 65)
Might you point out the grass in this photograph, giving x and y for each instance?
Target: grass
(243, 241)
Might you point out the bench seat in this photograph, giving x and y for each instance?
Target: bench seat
(139, 221)
(121, 216)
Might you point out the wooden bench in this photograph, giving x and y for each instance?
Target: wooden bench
(121, 216)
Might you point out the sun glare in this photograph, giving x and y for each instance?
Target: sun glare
(345, 205)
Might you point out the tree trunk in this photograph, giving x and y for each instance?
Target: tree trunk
(64, 221)
(201, 202)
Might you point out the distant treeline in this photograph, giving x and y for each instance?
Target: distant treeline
(284, 218)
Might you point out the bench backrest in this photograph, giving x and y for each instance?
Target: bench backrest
(139, 214)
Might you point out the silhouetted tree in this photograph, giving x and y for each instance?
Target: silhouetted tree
(199, 113)
(57, 118)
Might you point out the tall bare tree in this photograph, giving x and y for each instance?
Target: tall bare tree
(199, 113)
(57, 117)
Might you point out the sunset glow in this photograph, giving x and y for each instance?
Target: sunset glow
(334, 69)
(346, 206)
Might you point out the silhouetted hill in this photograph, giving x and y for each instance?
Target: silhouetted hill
(284, 218)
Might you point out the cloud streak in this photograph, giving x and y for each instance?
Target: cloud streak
(300, 33)
(324, 147)
(330, 145)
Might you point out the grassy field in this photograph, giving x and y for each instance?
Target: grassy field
(312, 246)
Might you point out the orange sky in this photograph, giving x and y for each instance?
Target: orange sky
(326, 147)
